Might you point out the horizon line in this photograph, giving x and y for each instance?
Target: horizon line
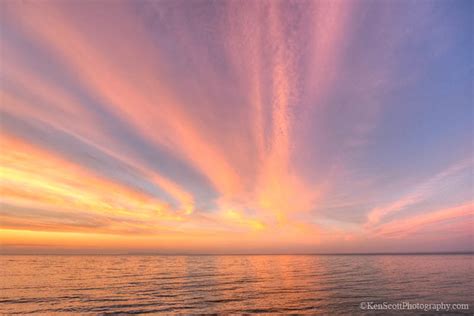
(246, 254)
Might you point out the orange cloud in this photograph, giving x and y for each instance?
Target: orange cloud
(133, 99)
(155, 97)
(32, 177)
(158, 112)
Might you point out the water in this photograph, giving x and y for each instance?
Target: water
(230, 284)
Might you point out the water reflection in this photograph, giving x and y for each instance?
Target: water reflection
(229, 284)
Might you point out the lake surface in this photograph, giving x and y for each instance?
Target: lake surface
(313, 284)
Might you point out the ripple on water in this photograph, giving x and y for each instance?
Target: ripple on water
(228, 284)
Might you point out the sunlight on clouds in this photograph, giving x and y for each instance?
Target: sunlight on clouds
(229, 124)
(32, 177)
(237, 217)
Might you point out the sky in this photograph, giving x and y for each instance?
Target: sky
(236, 126)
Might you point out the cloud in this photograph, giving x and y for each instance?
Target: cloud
(461, 215)
(419, 193)
(222, 123)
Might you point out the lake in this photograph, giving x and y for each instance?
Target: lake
(311, 284)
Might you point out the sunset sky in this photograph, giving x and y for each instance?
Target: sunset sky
(236, 126)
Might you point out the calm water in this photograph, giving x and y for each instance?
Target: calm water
(229, 284)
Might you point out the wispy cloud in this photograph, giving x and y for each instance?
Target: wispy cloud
(461, 215)
(245, 124)
(419, 193)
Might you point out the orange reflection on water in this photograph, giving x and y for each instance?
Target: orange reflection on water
(228, 284)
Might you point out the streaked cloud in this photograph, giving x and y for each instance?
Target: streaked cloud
(459, 218)
(309, 125)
